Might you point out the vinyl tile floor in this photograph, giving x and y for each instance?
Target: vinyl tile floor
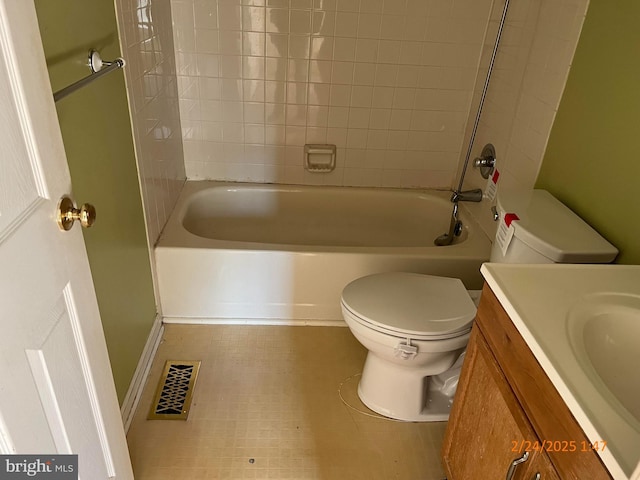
(267, 405)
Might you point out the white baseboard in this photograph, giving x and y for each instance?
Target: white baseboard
(255, 321)
(132, 398)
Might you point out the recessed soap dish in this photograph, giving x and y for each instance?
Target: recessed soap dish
(319, 158)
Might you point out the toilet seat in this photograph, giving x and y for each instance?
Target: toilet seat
(410, 305)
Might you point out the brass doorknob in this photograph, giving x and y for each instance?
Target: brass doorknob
(68, 213)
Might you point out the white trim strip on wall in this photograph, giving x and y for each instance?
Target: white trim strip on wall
(136, 386)
(255, 321)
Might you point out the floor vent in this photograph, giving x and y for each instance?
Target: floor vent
(175, 390)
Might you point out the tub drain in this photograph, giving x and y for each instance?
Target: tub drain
(175, 390)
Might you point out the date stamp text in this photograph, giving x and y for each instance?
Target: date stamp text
(520, 446)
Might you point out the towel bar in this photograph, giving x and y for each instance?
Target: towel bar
(95, 64)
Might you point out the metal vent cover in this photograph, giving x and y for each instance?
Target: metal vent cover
(175, 390)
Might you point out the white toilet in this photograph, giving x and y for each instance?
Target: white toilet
(416, 327)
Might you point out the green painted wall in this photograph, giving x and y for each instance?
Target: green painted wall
(591, 162)
(98, 141)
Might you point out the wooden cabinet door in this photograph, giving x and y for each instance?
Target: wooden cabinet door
(487, 429)
(540, 468)
(538, 398)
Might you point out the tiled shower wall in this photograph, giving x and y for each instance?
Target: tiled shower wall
(390, 82)
(531, 70)
(145, 28)
(532, 67)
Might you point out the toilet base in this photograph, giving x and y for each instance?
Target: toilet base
(406, 393)
(437, 409)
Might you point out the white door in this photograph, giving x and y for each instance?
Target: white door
(56, 387)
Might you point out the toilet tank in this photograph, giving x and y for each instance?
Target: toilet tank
(547, 231)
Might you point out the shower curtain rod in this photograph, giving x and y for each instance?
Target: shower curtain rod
(485, 88)
(455, 226)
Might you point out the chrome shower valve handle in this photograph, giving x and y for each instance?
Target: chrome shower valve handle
(486, 161)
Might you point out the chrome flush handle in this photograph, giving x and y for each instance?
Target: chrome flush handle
(494, 212)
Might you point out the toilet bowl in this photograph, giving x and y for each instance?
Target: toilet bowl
(416, 327)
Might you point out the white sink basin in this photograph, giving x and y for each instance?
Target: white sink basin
(603, 331)
(582, 323)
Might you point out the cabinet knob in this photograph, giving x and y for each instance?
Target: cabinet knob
(536, 476)
(515, 463)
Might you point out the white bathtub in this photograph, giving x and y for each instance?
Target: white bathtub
(253, 253)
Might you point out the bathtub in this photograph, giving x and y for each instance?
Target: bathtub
(254, 253)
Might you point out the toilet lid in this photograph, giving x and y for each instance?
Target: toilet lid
(410, 303)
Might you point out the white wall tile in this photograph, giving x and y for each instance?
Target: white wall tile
(321, 48)
(207, 41)
(320, 71)
(253, 19)
(361, 96)
(323, 23)
(344, 49)
(299, 46)
(404, 98)
(523, 98)
(253, 90)
(151, 77)
(229, 15)
(300, 21)
(205, 13)
(298, 71)
(386, 75)
(206, 65)
(389, 51)
(316, 135)
(336, 135)
(382, 97)
(297, 93)
(275, 135)
(340, 95)
(348, 5)
(276, 69)
(254, 134)
(369, 25)
(338, 117)
(317, 116)
(228, 43)
(372, 75)
(277, 20)
(318, 94)
(152, 82)
(392, 27)
(275, 113)
(366, 49)
(400, 119)
(342, 73)
(357, 138)
(277, 45)
(359, 117)
(233, 133)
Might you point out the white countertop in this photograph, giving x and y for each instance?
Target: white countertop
(538, 298)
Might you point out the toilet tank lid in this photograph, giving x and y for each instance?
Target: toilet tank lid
(410, 303)
(548, 226)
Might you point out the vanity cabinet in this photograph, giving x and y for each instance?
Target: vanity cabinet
(505, 406)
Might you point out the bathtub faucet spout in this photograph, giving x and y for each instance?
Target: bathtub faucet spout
(474, 195)
(455, 229)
